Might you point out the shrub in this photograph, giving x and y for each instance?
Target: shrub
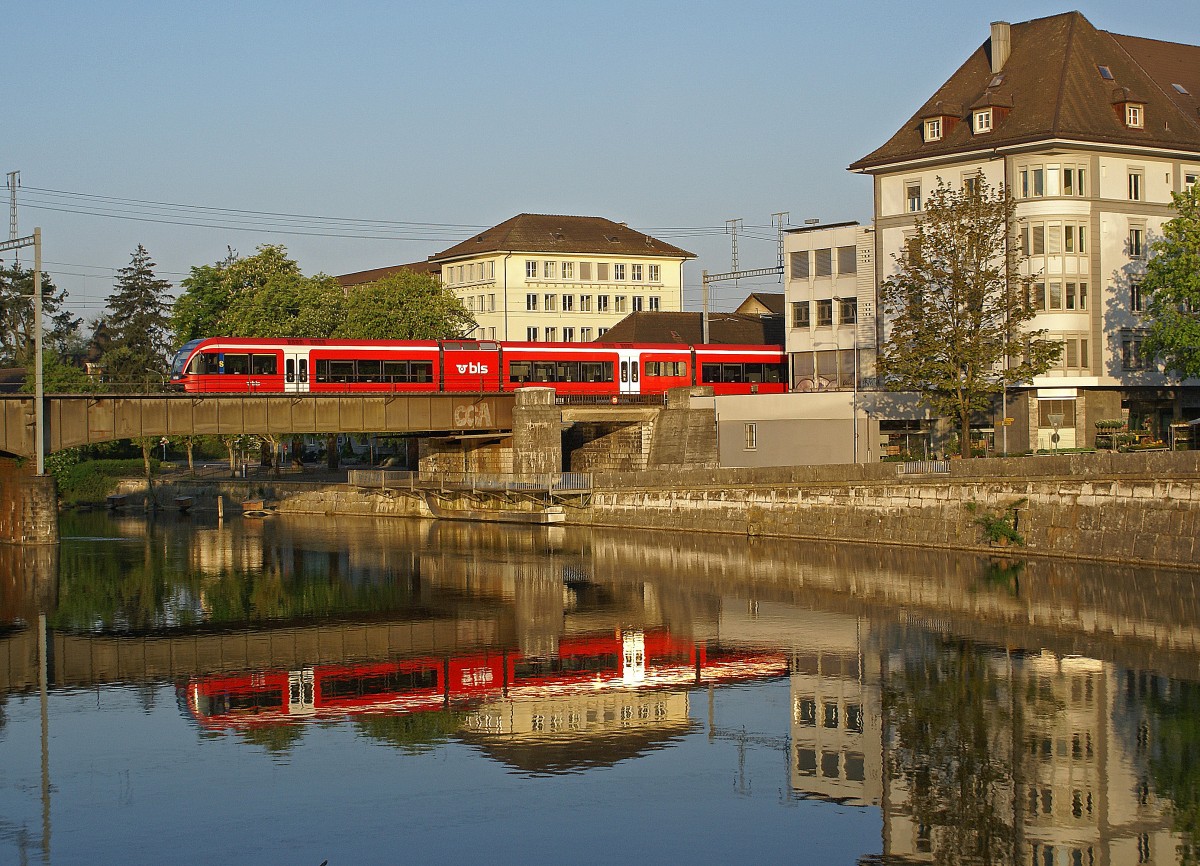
(90, 481)
(999, 529)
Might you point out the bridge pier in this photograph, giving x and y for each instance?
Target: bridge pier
(537, 433)
(28, 505)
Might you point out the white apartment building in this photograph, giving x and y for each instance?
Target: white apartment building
(1091, 132)
(830, 306)
(550, 278)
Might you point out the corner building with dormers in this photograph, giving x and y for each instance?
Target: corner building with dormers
(1091, 132)
(551, 278)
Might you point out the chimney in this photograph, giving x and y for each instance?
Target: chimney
(1001, 45)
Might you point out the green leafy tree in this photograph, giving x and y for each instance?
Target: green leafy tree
(404, 306)
(138, 324)
(957, 306)
(1172, 284)
(286, 305)
(16, 316)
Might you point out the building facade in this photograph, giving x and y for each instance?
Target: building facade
(1091, 132)
(548, 278)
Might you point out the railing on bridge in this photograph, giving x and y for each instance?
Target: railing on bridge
(552, 483)
(924, 467)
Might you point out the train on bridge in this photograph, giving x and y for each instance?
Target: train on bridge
(241, 365)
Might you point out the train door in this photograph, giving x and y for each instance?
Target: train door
(629, 376)
(295, 370)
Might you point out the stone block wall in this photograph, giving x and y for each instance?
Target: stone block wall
(28, 505)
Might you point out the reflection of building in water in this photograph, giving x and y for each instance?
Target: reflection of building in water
(1073, 736)
(558, 733)
(222, 550)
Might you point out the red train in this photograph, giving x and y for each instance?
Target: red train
(235, 364)
(621, 660)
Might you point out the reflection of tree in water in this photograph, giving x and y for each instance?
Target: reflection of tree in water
(1003, 573)
(411, 732)
(1176, 761)
(949, 721)
(276, 739)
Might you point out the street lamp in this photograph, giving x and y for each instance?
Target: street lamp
(854, 397)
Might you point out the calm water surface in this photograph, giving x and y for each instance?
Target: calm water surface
(295, 690)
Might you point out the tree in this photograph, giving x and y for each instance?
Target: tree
(138, 323)
(1172, 286)
(286, 305)
(404, 306)
(957, 305)
(16, 316)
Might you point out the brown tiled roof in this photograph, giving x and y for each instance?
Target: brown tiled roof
(686, 328)
(548, 233)
(773, 301)
(1053, 84)
(359, 278)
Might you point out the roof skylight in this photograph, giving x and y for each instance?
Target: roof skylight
(1106, 73)
(1181, 89)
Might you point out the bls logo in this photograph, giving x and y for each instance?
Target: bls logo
(474, 368)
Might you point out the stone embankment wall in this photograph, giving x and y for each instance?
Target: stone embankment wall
(28, 505)
(1141, 508)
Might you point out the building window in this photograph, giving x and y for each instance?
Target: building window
(1135, 186)
(1136, 301)
(551, 303)
(601, 303)
(847, 260)
(848, 314)
(490, 268)
(585, 270)
(637, 304)
(1132, 357)
(983, 120)
(551, 335)
(568, 270)
(619, 271)
(1073, 181)
(568, 303)
(800, 314)
(655, 273)
(549, 269)
(585, 303)
(1136, 247)
(600, 333)
(1133, 115)
(654, 303)
(799, 264)
(1189, 179)
(531, 335)
(602, 271)
(933, 129)
(824, 262)
(531, 301)
(912, 193)
(1076, 296)
(568, 335)
(619, 305)
(491, 303)
(531, 269)
(585, 335)
(635, 272)
(751, 436)
(824, 313)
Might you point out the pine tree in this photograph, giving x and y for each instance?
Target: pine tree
(957, 305)
(138, 322)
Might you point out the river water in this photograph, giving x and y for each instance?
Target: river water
(297, 690)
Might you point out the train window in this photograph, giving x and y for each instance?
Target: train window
(289, 370)
(596, 371)
(420, 371)
(322, 371)
(543, 371)
(341, 371)
(304, 369)
(263, 365)
(635, 367)
(567, 371)
(369, 371)
(624, 371)
(732, 373)
(395, 371)
(772, 372)
(519, 371)
(209, 362)
(754, 372)
(710, 373)
(237, 364)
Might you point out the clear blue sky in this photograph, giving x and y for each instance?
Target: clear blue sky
(453, 116)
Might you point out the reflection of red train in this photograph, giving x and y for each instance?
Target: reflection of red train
(225, 364)
(583, 664)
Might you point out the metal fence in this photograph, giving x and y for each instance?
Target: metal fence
(924, 467)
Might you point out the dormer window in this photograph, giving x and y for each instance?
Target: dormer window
(1134, 115)
(981, 121)
(933, 129)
